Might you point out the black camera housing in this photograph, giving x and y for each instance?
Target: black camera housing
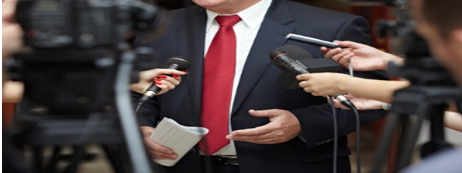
(75, 48)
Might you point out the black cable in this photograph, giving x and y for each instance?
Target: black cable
(350, 105)
(344, 101)
(334, 115)
(358, 144)
(138, 108)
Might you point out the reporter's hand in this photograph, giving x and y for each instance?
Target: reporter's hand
(156, 150)
(282, 127)
(164, 82)
(361, 56)
(324, 84)
(360, 103)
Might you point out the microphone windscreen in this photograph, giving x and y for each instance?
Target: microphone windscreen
(184, 64)
(294, 52)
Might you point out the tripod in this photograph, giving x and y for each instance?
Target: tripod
(423, 102)
(116, 131)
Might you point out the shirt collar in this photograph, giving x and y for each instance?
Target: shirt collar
(252, 16)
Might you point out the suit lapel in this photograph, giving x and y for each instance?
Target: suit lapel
(270, 36)
(190, 39)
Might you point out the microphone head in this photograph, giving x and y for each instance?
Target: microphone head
(294, 52)
(182, 63)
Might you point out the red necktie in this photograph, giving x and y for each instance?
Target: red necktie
(217, 85)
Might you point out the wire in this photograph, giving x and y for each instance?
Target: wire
(138, 108)
(334, 115)
(358, 144)
(350, 68)
(358, 127)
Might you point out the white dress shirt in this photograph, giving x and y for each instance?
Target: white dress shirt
(246, 30)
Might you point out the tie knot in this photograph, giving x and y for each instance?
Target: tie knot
(227, 21)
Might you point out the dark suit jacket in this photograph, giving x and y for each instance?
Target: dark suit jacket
(258, 88)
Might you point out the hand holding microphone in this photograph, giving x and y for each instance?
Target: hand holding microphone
(159, 78)
(362, 103)
(282, 58)
(362, 57)
(175, 63)
(324, 84)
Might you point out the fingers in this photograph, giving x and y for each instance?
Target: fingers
(166, 83)
(265, 113)
(337, 104)
(266, 134)
(253, 131)
(324, 49)
(305, 84)
(150, 74)
(161, 79)
(304, 77)
(332, 52)
(158, 151)
(341, 53)
(283, 126)
(268, 138)
(174, 80)
(349, 44)
(346, 59)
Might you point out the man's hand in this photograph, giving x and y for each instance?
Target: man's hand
(323, 84)
(362, 57)
(360, 103)
(283, 127)
(164, 82)
(156, 150)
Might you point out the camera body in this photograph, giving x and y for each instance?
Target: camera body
(75, 48)
(420, 68)
(82, 24)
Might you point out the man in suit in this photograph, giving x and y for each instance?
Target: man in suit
(227, 44)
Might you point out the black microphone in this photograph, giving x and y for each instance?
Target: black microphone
(176, 63)
(284, 62)
(281, 58)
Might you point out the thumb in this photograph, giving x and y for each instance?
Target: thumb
(264, 113)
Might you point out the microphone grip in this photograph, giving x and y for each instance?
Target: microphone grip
(150, 93)
(345, 102)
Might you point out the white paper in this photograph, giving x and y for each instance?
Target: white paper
(177, 137)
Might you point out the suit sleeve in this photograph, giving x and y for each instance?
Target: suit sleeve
(317, 121)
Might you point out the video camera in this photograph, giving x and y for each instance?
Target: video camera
(76, 46)
(420, 68)
(431, 91)
(76, 71)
